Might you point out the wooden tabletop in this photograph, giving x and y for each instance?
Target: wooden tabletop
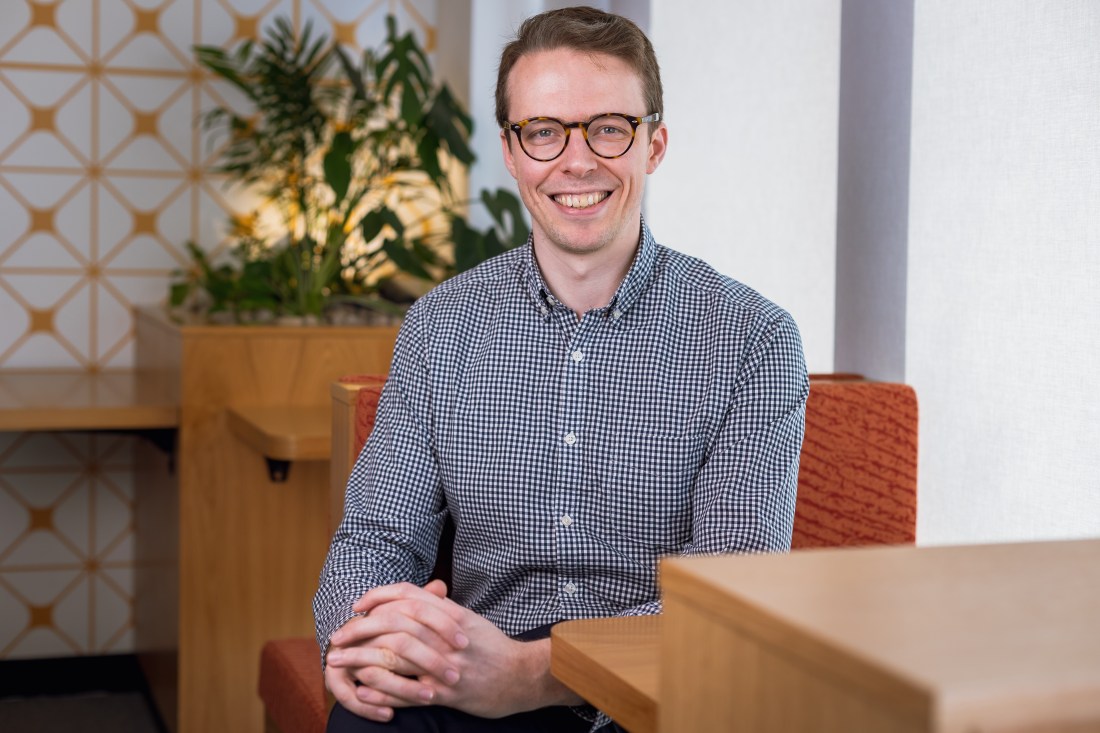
(285, 433)
(613, 664)
(977, 636)
(78, 400)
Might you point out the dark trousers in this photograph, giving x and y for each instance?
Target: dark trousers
(448, 720)
(433, 719)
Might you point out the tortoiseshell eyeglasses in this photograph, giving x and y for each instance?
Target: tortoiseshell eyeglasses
(609, 135)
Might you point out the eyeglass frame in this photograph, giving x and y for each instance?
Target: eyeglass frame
(634, 122)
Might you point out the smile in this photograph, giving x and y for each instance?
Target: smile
(581, 200)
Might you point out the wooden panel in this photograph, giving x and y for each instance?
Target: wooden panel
(70, 400)
(354, 405)
(250, 550)
(613, 664)
(344, 448)
(715, 676)
(998, 637)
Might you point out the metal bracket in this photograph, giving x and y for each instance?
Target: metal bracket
(277, 469)
(164, 440)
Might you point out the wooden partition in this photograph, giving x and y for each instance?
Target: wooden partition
(884, 640)
(249, 550)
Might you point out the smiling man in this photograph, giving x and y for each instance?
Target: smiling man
(579, 407)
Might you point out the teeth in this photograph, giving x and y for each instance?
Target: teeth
(582, 200)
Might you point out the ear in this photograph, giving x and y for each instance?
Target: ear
(506, 148)
(658, 144)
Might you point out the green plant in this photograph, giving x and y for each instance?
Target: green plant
(357, 158)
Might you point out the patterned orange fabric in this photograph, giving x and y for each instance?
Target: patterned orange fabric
(366, 405)
(857, 483)
(292, 687)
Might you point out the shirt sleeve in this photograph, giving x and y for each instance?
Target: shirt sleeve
(393, 508)
(744, 494)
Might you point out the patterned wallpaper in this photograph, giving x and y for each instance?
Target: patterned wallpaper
(102, 181)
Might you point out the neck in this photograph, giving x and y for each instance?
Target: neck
(584, 281)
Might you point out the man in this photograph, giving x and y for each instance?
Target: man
(580, 407)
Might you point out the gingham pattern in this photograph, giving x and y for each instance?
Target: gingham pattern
(572, 455)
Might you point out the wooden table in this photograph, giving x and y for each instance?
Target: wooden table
(945, 639)
(32, 400)
(614, 661)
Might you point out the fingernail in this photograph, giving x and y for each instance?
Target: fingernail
(335, 657)
(461, 641)
(427, 694)
(451, 675)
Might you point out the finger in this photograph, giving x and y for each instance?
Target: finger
(398, 653)
(371, 655)
(421, 615)
(382, 688)
(343, 687)
(437, 588)
(391, 618)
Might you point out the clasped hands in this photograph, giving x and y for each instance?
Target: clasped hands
(414, 646)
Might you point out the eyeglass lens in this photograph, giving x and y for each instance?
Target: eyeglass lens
(609, 136)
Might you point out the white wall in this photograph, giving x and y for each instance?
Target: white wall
(1003, 329)
(749, 182)
(1000, 319)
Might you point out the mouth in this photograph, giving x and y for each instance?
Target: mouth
(580, 200)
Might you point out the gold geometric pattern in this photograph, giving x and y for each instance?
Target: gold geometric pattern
(103, 179)
(41, 320)
(43, 119)
(65, 510)
(42, 14)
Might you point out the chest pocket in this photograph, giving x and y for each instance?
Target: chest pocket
(645, 484)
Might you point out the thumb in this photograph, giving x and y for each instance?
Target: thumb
(437, 588)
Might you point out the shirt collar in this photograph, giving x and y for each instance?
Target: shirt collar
(626, 295)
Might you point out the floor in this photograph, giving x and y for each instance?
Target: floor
(75, 694)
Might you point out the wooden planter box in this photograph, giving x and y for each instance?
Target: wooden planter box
(228, 558)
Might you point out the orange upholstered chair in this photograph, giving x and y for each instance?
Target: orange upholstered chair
(857, 485)
(857, 476)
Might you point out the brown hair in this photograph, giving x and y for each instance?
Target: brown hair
(587, 30)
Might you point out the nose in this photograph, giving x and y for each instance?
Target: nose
(577, 158)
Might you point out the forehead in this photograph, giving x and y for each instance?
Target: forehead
(572, 85)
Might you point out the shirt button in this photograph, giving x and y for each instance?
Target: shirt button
(566, 520)
(616, 313)
(570, 438)
(577, 356)
(570, 589)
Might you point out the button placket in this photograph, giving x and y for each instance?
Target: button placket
(571, 489)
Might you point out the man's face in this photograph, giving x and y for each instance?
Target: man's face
(573, 86)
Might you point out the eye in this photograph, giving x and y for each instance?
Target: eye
(609, 128)
(542, 133)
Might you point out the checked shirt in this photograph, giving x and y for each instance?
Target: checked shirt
(573, 454)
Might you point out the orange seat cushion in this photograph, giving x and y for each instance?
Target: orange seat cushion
(857, 482)
(292, 687)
